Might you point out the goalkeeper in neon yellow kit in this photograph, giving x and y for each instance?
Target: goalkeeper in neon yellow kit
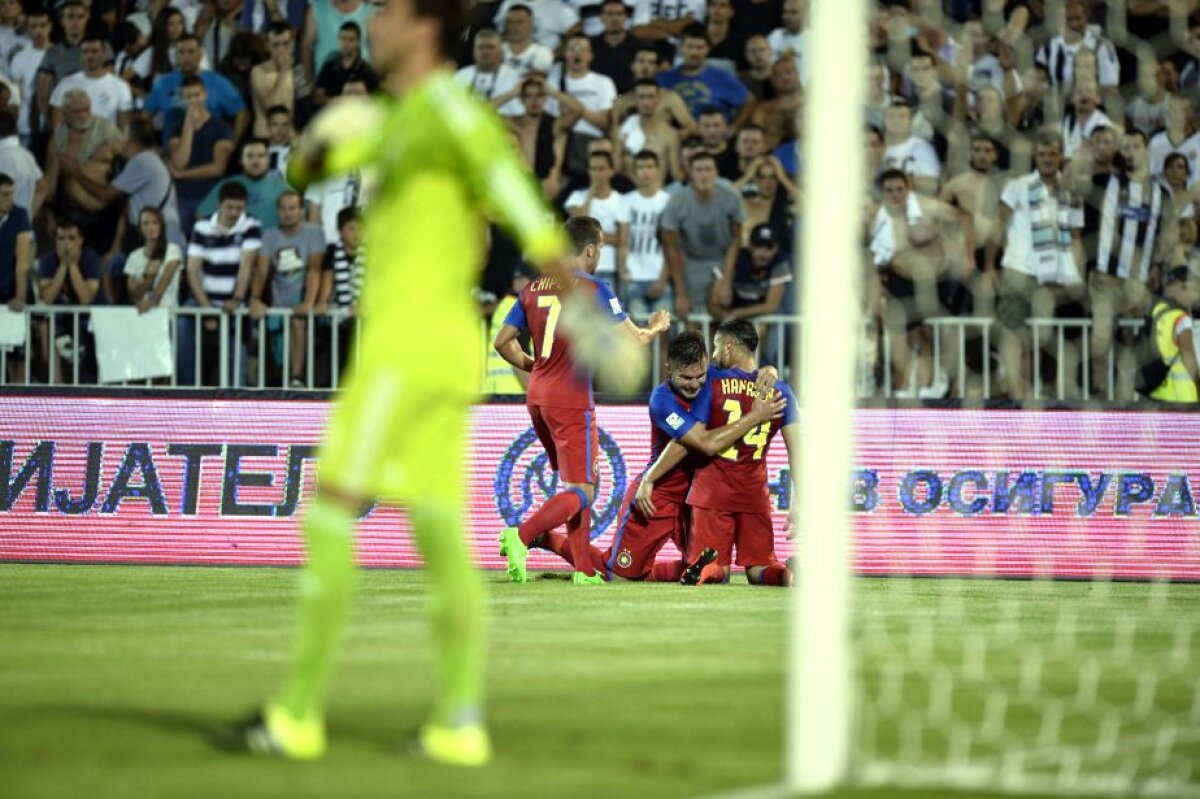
(398, 431)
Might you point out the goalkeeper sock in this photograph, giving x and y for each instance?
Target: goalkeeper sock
(668, 572)
(326, 590)
(456, 611)
(555, 513)
(560, 545)
(775, 574)
(579, 540)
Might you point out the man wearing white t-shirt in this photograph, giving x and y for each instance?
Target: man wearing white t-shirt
(521, 52)
(489, 77)
(24, 69)
(1176, 139)
(907, 152)
(645, 286)
(600, 202)
(111, 97)
(792, 39)
(551, 19)
(594, 93)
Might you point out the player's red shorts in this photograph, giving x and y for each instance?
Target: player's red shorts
(750, 531)
(638, 539)
(571, 440)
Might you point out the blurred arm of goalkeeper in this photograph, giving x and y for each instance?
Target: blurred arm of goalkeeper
(708, 442)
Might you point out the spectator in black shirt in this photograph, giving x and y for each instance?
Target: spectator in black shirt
(726, 44)
(615, 48)
(345, 66)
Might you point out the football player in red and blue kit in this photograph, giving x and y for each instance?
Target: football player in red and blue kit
(729, 500)
(560, 401)
(653, 510)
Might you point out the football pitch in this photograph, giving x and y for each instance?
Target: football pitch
(114, 681)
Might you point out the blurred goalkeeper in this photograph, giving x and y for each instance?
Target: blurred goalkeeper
(398, 431)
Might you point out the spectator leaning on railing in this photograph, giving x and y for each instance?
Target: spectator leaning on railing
(290, 263)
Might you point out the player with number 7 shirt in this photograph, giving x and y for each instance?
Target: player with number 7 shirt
(560, 400)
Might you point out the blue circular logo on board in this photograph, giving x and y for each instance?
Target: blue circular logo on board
(524, 480)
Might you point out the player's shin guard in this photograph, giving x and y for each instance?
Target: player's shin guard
(555, 513)
(579, 539)
(456, 610)
(326, 590)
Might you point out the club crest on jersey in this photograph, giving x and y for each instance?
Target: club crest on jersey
(625, 559)
(675, 421)
(524, 480)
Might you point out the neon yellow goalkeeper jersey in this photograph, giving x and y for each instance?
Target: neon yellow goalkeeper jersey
(445, 162)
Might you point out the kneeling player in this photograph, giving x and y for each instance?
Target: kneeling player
(729, 498)
(678, 412)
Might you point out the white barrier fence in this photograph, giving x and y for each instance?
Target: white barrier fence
(307, 352)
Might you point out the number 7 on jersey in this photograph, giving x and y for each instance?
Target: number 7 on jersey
(551, 302)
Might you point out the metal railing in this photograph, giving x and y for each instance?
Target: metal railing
(245, 352)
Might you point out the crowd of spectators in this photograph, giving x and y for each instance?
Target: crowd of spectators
(1026, 158)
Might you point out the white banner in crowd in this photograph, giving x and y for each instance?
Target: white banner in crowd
(132, 346)
(12, 328)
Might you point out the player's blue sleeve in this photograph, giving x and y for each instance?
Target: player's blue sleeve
(669, 416)
(516, 315)
(791, 413)
(609, 303)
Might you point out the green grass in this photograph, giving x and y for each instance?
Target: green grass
(114, 679)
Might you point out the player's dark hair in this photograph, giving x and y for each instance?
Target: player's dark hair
(256, 140)
(745, 333)
(1141, 134)
(892, 174)
(583, 231)
(701, 156)
(520, 7)
(279, 28)
(5, 180)
(232, 190)
(351, 25)
(188, 37)
(192, 81)
(687, 349)
(648, 48)
(452, 14)
(651, 82)
(69, 222)
(646, 155)
(711, 111)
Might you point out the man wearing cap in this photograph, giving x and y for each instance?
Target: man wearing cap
(760, 278)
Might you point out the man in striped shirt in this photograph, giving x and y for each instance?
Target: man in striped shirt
(341, 281)
(1138, 231)
(220, 260)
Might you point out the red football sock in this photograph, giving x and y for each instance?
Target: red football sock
(578, 539)
(560, 545)
(776, 574)
(555, 513)
(668, 572)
